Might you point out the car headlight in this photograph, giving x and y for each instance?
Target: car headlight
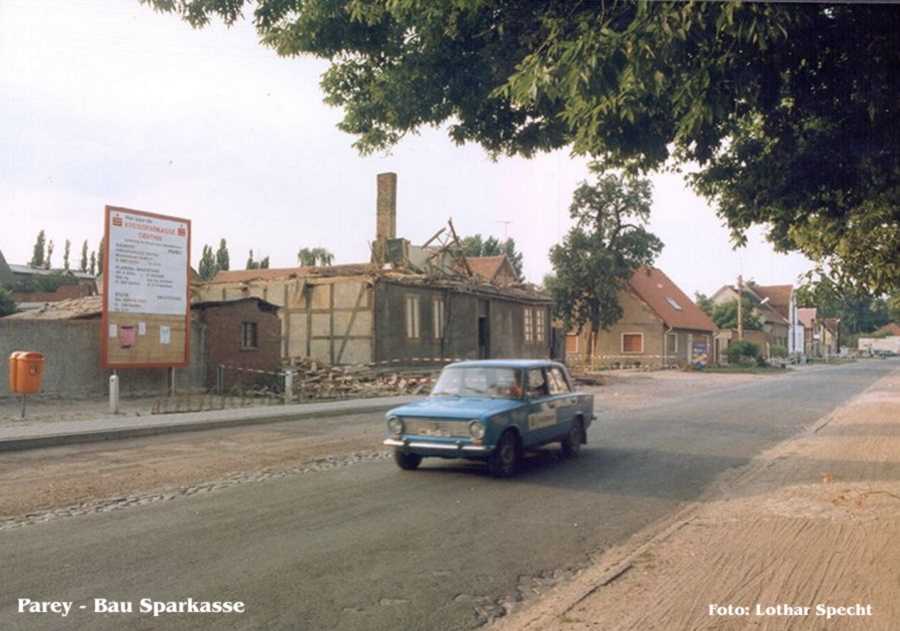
(395, 424)
(476, 430)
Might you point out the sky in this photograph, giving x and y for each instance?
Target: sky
(111, 103)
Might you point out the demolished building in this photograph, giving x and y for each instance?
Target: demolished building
(408, 304)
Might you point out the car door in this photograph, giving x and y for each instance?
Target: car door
(541, 409)
(562, 399)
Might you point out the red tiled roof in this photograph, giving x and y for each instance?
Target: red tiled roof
(486, 266)
(779, 297)
(891, 328)
(668, 301)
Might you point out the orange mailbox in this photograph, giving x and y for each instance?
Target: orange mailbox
(26, 371)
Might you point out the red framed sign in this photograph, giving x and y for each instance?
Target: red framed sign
(146, 318)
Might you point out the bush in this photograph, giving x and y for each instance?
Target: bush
(742, 352)
(778, 351)
(7, 304)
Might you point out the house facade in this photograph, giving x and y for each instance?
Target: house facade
(821, 335)
(243, 333)
(771, 304)
(410, 304)
(359, 314)
(660, 327)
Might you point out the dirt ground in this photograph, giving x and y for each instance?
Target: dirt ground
(812, 522)
(630, 389)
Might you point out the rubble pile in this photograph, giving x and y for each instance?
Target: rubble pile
(315, 380)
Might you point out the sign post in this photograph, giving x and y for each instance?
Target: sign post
(146, 290)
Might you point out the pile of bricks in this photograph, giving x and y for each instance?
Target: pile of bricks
(315, 380)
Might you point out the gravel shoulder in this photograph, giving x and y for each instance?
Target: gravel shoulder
(813, 521)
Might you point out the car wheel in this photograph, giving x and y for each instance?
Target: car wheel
(504, 461)
(571, 444)
(407, 461)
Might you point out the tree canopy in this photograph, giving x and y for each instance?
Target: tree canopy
(314, 256)
(83, 266)
(207, 267)
(725, 315)
(784, 114)
(601, 251)
(223, 260)
(254, 264)
(859, 311)
(66, 252)
(37, 255)
(7, 303)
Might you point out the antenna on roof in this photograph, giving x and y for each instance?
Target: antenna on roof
(505, 228)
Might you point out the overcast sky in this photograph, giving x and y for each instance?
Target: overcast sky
(106, 102)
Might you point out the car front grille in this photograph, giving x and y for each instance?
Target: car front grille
(435, 427)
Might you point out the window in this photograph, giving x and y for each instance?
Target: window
(674, 304)
(539, 325)
(537, 384)
(437, 309)
(632, 342)
(412, 317)
(671, 343)
(558, 383)
(529, 331)
(249, 340)
(479, 380)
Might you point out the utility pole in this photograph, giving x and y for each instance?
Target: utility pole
(740, 315)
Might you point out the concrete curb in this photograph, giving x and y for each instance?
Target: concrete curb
(121, 433)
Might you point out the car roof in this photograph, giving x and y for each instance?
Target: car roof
(504, 363)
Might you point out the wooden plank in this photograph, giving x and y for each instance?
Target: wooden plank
(359, 297)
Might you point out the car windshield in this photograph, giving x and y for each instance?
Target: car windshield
(479, 381)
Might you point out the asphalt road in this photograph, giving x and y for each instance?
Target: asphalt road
(368, 546)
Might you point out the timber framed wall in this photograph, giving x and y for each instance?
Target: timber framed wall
(359, 319)
(331, 320)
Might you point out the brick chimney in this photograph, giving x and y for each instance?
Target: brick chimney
(386, 219)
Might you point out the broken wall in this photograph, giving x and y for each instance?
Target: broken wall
(330, 320)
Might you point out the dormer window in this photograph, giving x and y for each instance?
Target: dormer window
(674, 304)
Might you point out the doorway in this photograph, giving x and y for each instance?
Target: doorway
(484, 330)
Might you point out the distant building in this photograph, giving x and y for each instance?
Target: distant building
(885, 339)
(7, 280)
(33, 286)
(771, 304)
(660, 326)
(496, 270)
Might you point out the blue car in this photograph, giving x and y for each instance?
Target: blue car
(492, 410)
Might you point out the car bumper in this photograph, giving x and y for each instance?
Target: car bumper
(458, 449)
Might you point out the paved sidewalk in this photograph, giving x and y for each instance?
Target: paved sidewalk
(37, 436)
(803, 538)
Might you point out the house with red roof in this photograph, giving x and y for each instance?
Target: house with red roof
(660, 327)
(496, 270)
(770, 304)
